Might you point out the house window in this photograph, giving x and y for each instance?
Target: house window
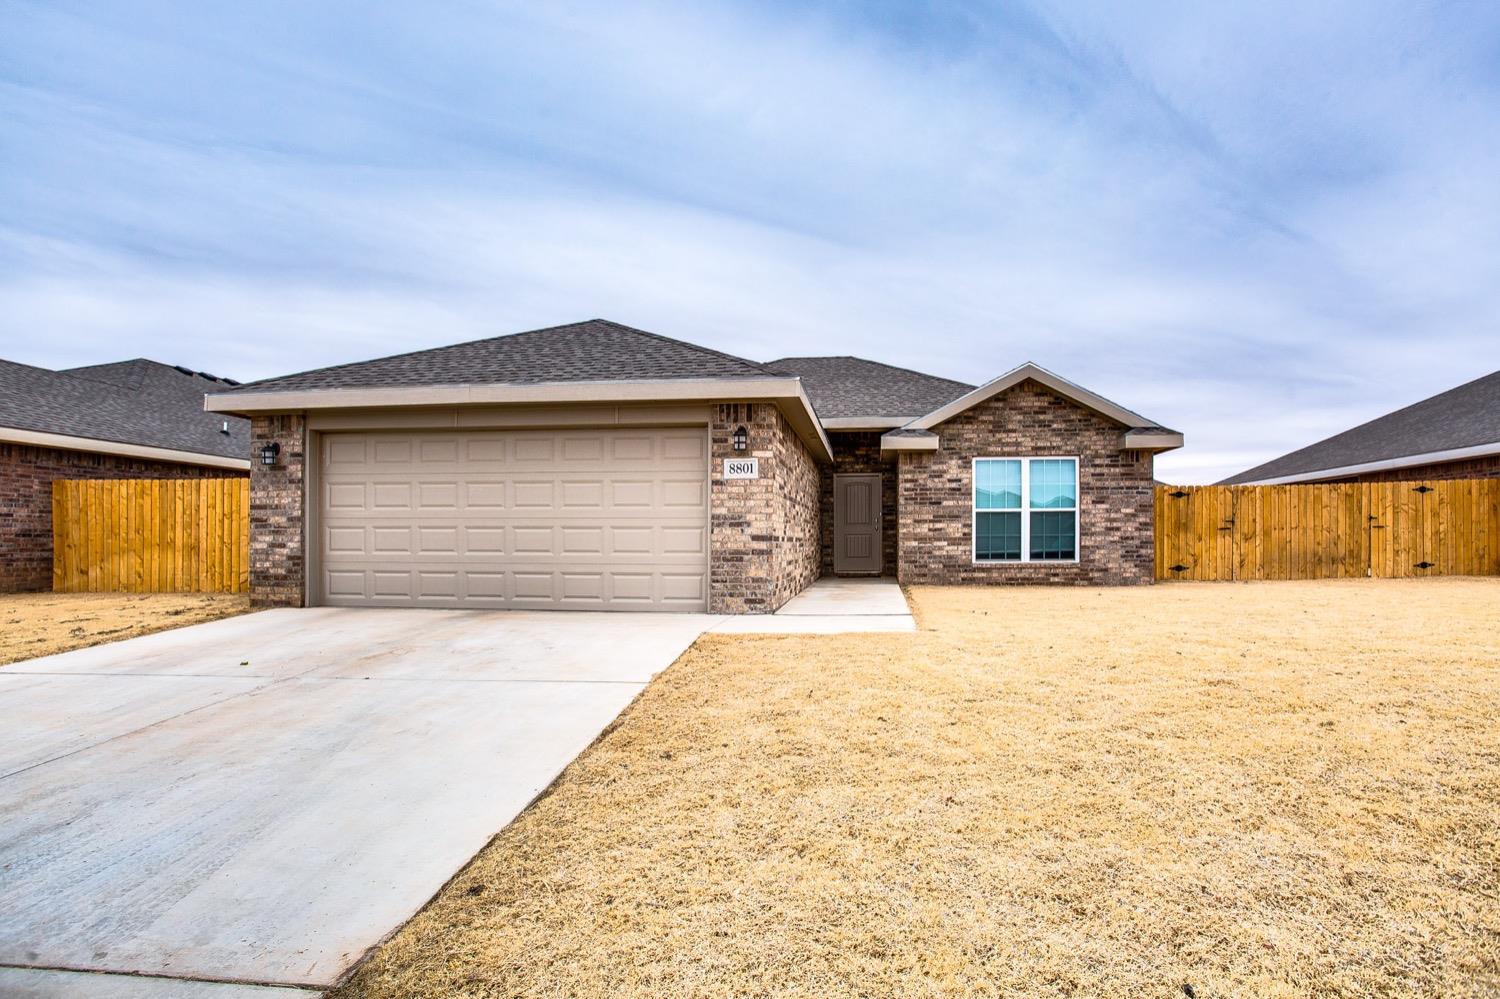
(1025, 509)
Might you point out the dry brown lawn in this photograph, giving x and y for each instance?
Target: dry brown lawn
(1282, 789)
(39, 624)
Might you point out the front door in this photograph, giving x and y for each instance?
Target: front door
(856, 524)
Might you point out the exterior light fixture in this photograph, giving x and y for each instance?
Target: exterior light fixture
(741, 438)
(268, 453)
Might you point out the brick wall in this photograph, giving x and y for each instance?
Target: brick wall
(278, 558)
(26, 475)
(1115, 493)
(764, 532)
(1474, 468)
(859, 451)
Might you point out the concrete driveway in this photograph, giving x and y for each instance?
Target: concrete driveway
(262, 799)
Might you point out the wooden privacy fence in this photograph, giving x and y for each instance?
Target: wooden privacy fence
(151, 535)
(1327, 531)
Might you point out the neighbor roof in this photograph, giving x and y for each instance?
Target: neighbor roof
(1465, 419)
(140, 402)
(593, 350)
(846, 387)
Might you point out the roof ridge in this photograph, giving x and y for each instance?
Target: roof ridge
(878, 364)
(679, 343)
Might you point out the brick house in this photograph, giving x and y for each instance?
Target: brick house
(1452, 435)
(135, 419)
(599, 467)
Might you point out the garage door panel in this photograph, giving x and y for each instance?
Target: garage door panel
(684, 493)
(580, 519)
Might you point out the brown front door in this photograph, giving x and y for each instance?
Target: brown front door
(856, 523)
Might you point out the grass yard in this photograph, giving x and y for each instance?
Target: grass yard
(40, 624)
(1281, 789)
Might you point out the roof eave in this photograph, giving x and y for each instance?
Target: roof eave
(924, 441)
(787, 391)
(1151, 440)
(866, 422)
(94, 445)
(1382, 465)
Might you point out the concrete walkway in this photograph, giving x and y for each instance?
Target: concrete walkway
(832, 606)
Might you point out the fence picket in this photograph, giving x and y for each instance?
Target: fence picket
(144, 535)
(1328, 530)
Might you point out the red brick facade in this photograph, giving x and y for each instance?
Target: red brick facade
(859, 451)
(935, 493)
(764, 533)
(26, 476)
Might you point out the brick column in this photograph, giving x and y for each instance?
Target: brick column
(763, 532)
(278, 559)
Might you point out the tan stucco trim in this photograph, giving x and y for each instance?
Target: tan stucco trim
(787, 393)
(889, 443)
(65, 442)
(1385, 465)
(509, 417)
(663, 390)
(1151, 442)
(867, 422)
(1036, 373)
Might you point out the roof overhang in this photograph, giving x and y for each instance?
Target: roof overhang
(787, 393)
(67, 442)
(1150, 439)
(866, 422)
(1383, 465)
(924, 441)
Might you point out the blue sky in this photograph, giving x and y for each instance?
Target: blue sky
(1258, 223)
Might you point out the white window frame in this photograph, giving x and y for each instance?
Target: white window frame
(1025, 510)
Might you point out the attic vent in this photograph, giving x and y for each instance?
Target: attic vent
(186, 371)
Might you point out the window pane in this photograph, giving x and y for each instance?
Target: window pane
(997, 536)
(1052, 536)
(997, 485)
(1054, 484)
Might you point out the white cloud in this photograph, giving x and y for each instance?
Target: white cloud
(1215, 218)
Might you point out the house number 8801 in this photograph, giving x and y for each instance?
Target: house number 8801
(741, 468)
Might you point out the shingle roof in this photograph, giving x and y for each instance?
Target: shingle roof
(1466, 416)
(854, 387)
(594, 350)
(139, 402)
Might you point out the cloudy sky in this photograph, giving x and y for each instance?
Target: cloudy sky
(1257, 225)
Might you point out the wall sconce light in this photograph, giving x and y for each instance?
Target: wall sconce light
(741, 438)
(268, 453)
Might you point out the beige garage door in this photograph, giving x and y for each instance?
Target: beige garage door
(584, 519)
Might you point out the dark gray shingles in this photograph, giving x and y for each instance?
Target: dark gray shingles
(129, 402)
(1465, 416)
(595, 350)
(842, 387)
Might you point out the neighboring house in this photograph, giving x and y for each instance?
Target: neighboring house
(131, 420)
(1452, 435)
(596, 466)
